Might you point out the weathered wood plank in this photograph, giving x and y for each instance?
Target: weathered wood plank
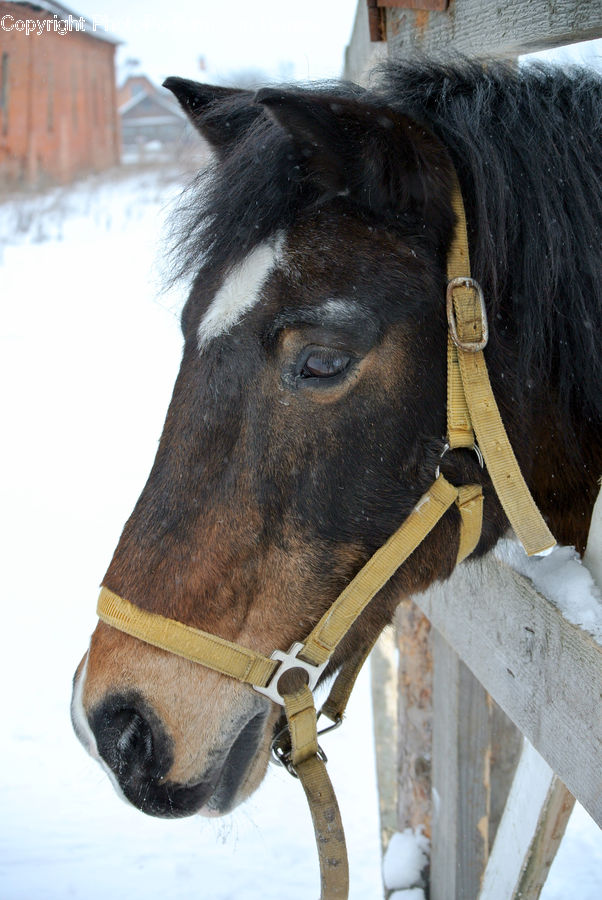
(461, 757)
(544, 672)
(383, 675)
(552, 824)
(415, 717)
(493, 29)
(506, 748)
(529, 833)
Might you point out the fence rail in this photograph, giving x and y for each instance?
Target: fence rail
(543, 671)
(505, 30)
(475, 28)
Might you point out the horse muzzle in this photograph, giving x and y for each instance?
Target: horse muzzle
(131, 743)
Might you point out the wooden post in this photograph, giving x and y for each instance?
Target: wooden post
(529, 833)
(461, 777)
(383, 672)
(361, 54)
(415, 715)
(506, 748)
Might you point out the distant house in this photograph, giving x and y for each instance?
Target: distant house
(58, 103)
(148, 113)
(133, 86)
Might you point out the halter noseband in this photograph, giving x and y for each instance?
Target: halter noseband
(471, 408)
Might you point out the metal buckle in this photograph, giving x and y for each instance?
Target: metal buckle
(474, 447)
(470, 284)
(282, 757)
(281, 749)
(290, 660)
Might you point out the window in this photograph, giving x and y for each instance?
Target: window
(74, 117)
(50, 106)
(94, 93)
(4, 92)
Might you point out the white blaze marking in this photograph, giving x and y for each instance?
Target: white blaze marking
(240, 291)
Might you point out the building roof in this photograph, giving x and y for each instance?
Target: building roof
(63, 12)
(166, 107)
(138, 79)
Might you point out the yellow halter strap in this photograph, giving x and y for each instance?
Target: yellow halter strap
(470, 400)
(299, 749)
(470, 405)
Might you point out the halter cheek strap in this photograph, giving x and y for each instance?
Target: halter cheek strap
(471, 405)
(470, 401)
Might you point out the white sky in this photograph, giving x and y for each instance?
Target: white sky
(305, 39)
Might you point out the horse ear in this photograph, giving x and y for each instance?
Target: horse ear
(381, 159)
(213, 110)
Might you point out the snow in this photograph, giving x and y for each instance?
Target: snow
(562, 578)
(592, 557)
(406, 857)
(89, 351)
(408, 894)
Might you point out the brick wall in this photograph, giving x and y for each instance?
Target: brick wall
(58, 115)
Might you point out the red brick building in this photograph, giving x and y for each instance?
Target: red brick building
(58, 107)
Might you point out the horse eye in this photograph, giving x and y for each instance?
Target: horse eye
(324, 364)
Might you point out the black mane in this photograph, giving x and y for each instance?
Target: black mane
(527, 146)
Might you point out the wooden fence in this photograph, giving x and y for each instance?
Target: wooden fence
(504, 29)
(487, 701)
(498, 716)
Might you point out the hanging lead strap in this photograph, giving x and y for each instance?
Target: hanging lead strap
(308, 764)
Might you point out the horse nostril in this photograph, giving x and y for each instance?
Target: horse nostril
(130, 739)
(135, 742)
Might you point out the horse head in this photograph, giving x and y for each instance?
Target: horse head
(307, 419)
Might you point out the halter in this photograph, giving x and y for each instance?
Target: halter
(471, 408)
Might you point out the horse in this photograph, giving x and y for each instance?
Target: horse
(309, 413)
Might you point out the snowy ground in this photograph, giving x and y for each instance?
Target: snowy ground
(88, 354)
